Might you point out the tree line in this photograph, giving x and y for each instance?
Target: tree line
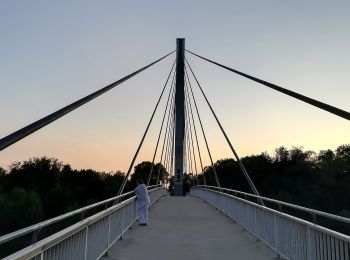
(42, 188)
(315, 180)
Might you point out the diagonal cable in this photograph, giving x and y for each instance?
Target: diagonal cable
(165, 141)
(161, 128)
(190, 155)
(166, 137)
(250, 182)
(143, 137)
(170, 139)
(331, 109)
(191, 137)
(31, 128)
(195, 133)
(205, 138)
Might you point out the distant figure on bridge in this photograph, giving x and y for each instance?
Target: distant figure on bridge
(142, 202)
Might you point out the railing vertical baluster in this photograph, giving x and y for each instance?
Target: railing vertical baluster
(275, 233)
(86, 242)
(123, 213)
(308, 252)
(341, 248)
(255, 227)
(290, 237)
(109, 232)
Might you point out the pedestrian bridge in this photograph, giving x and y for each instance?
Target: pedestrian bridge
(209, 223)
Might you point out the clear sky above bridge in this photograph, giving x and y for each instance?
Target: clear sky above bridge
(53, 53)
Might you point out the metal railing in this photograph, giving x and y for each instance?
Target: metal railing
(289, 236)
(91, 237)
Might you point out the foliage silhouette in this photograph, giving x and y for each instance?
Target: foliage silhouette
(41, 188)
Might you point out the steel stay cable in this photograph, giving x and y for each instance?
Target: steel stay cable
(172, 166)
(171, 129)
(250, 182)
(195, 132)
(190, 155)
(165, 141)
(171, 142)
(168, 149)
(205, 138)
(33, 127)
(166, 136)
(191, 137)
(161, 129)
(188, 149)
(143, 137)
(331, 109)
(184, 166)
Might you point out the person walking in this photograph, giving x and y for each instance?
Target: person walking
(142, 202)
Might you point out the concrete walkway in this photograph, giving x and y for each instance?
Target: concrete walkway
(188, 228)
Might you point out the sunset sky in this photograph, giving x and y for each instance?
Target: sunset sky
(54, 52)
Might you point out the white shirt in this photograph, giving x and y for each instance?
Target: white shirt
(142, 196)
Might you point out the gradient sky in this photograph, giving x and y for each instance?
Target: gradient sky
(55, 52)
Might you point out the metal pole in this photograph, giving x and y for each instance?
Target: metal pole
(179, 117)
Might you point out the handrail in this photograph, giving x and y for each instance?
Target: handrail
(289, 236)
(67, 243)
(301, 208)
(296, 219)
(40, 225)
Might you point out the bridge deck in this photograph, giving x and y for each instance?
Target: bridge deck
(188, 228)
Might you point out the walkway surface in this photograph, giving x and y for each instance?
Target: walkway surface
(188, 228)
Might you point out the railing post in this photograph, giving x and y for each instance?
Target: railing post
(35, 235)
(82, 215)
(314, 218)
